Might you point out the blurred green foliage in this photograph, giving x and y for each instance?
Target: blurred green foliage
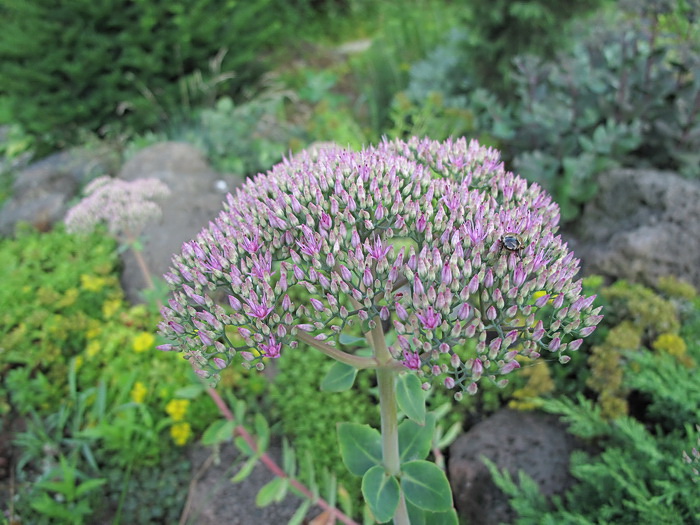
(79, 365)
(126, 65)
(623, 92)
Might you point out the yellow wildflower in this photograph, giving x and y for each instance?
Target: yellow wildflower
(78, 362)
(68, 299)
(143, 342)
(92, 283)
(109, 308)
(93, 330)
(181, 432)
(92, 348)
(138, 392)
(177, 408)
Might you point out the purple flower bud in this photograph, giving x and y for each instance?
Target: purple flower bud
(471, 389)
(318, 305)
(446, 275)
(554, 344)
(449, 382)
(464, 311)
(563, 359)
(473, 284)
(177, 327)
(491, 313)
(540, 302)
(574, 345)
(219, 363)
(558, 301)
(206, 340)
(165, 348)
(384, 313)
(455, 361)
(509, 367)
(585, 332)
(401, 311)
(367, 277)
(477, 368)
(538, 333)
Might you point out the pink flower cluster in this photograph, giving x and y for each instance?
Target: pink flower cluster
(124, 206)
(405, 235)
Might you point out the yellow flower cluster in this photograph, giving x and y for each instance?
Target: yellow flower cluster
(143, 342)
(177, 408)
(109, 308)
(180, 432)
(92, 283)
(138, 392)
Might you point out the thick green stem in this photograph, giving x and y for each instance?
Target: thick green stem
(386, 379)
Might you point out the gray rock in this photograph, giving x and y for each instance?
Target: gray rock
(533, 442)
(42, 191)
(642, 225)
(214, 499)
(197, 197)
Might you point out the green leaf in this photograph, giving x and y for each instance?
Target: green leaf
(339, 378)
(245, 470)
(244, 446)
(189, 391)
(415, 441)
(347, 339)
(89, 485)
(300, 513)
(360, 447)
(262, 431)
(419, 516)
(381, 492)
(272, 492)
(411, 397)
(218, 432)
(426, 486)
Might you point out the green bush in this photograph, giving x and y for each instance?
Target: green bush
(633, 470)
(79, 366)
(502, 29)
(123, 64)
(625, 94)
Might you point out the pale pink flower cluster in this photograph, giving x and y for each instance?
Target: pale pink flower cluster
(124, 206)
(406, 235)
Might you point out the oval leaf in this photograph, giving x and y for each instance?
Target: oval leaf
(339, 378)
(274, 491)
(415, 441)
(411, 397)
(245, 470)
(347, 339)
(426, 486)
(218, 432)
(360, 447)
(381, 492)
(425, 517)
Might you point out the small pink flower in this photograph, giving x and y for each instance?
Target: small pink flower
(429, 318)
(411, 360)
(272, 349)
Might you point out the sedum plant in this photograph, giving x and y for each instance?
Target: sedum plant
(447, 265)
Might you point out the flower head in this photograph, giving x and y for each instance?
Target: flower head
(125, 206)
(408, 234)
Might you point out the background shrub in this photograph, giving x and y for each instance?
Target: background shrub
(109, 66)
